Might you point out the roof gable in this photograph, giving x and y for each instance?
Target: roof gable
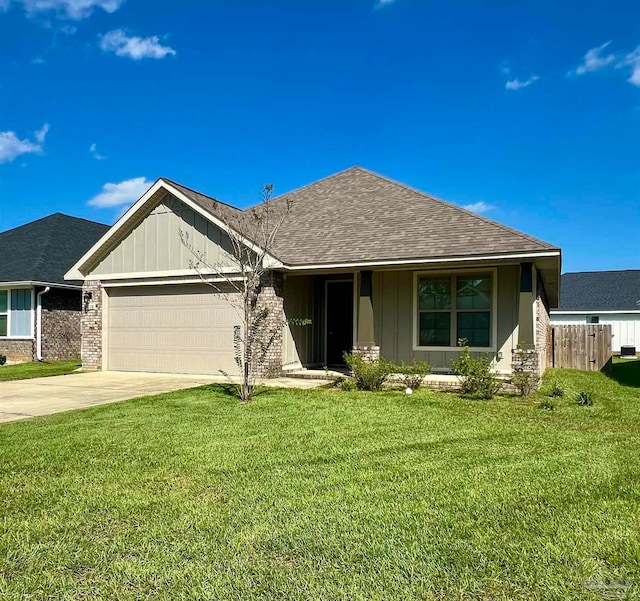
(43, 250)
(600, 291)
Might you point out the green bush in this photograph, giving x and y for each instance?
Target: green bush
(368, 375)
(584, 399)
(524, 380)
(347, 385)
(548, 404)
(476, 378)
(411, 375)
(557, 390)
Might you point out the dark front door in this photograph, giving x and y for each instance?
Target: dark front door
(339, 320)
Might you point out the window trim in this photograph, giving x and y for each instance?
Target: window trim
(493, 271)
(32, 320)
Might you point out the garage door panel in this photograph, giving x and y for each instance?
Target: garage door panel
(179, 329)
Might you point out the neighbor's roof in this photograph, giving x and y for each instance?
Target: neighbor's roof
(358, 215)
(600, 291)
(43, 250)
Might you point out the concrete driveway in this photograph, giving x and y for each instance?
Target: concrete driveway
(43, 396)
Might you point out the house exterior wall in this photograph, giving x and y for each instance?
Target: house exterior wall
(155, 244)
(91, 324)
(625, 327)
(542, 325)
(61, 316)
(18, 351)
(393, 303)
(298, 347)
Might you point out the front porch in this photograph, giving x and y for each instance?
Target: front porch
(415, 314)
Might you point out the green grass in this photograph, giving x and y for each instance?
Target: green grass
(26, 371)
(626, 371)
(325, 495)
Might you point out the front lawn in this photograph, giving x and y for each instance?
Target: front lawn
(326, 495)
(26, 371)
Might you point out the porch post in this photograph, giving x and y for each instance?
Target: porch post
(365, 331)
(526, 336)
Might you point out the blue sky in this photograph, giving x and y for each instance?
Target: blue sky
(529, 112)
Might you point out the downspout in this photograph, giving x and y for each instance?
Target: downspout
(39, 323)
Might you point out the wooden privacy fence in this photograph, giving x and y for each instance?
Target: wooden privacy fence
(582, 346)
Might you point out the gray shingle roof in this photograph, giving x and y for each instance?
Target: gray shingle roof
(357, 215)
(43, 250)
(600, 291)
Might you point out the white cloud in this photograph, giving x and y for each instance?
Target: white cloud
(134, 47)
(594, 60)
(123, 193)
(632, 60)
(12, 147)
(479, 207)
(71, 9)
(93, 149)
(516, 84)
(383, 3)
(41, 134)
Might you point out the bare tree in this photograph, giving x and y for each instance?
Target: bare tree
(240, 279)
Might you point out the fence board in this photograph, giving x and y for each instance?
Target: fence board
(582, 346)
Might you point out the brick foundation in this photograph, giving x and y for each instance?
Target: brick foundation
(61, 315)
(18, 351)
(543, 326)
(369, 353)
(527, 358)
(91, 320)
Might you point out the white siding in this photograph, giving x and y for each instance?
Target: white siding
(624, 326)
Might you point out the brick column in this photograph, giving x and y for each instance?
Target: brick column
(92, 325)
(271, 297)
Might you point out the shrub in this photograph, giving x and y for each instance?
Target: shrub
(548, 404)
(411, 375)
(368, 375)
(476, 377)
(3, 359)
(347, 385)
(584, 399)
(524, 380)
(557, 390)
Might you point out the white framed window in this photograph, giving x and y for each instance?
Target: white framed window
(593, 319)
(16, 313)
(450, 306)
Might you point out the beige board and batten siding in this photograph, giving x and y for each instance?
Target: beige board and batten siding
(394, 307)
(298, 341)
(155, 245)
(170, 329)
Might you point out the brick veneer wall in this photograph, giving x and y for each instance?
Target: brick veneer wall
(91, 325)
(18, 350)
(369, 353)
(271, 296)
(543, 323)
(61, 314)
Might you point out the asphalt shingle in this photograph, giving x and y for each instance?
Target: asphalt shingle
(600, 291)
(43, 250)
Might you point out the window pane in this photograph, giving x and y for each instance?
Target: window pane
(3, 325)
(435, 329)
(474, 292)
(3, 301)
(434, 293)
(21, 312)
(475, 327)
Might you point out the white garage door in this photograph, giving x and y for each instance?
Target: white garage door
(174, 329)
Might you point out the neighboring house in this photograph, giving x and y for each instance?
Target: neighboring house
(39, 310)
(377, 266)
(606, 297)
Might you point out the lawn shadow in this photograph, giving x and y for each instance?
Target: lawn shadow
(626, 372)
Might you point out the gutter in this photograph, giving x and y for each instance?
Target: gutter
(39, 323)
